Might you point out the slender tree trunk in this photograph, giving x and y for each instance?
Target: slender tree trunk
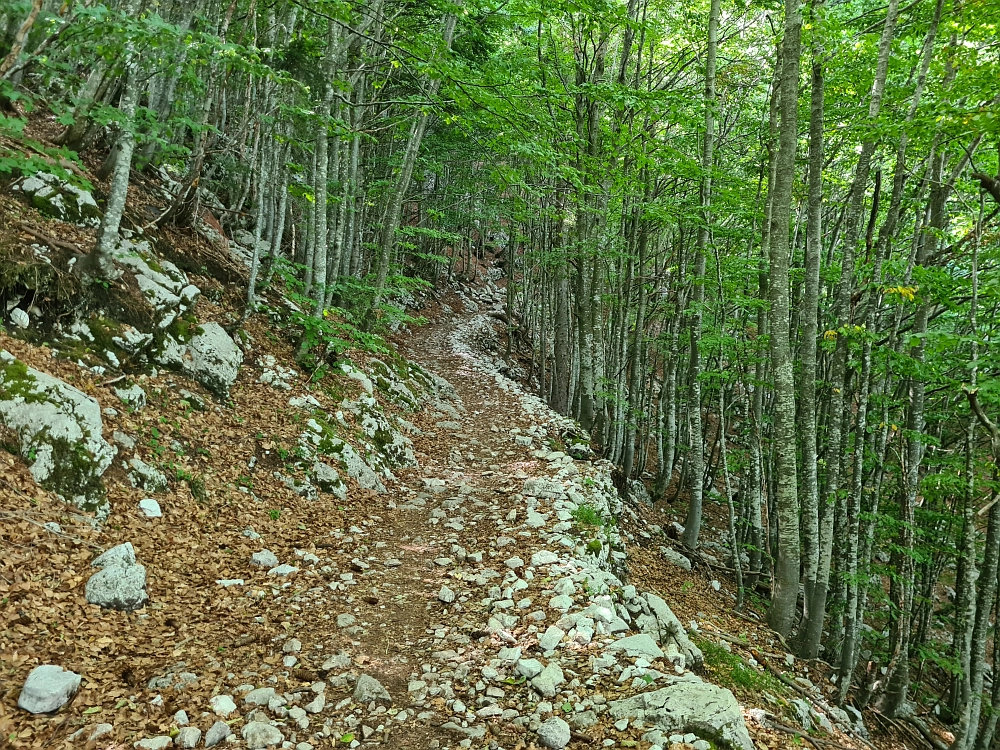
(692, 525)
(808, 642)
(393, 212)
(812, 628)
(898, 682)
(99, 264)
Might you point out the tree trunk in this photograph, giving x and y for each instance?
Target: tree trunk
(808, 645)
(781, 613)
(98, 265)
(692, 524)
(816, 594)
(393, 212)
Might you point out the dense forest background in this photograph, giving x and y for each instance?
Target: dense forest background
(752, 249)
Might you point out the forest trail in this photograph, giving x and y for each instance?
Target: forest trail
(470, 605)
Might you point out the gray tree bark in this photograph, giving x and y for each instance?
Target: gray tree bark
(692, 524)
(781, 613)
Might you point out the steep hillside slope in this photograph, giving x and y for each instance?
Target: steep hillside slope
(206, 544)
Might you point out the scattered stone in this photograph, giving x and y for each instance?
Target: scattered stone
(283, 570)
(126, 442)
(368, 690)
(188, 737)
(150, 508)
(264, 559)
(529, 668)
(146, 477)
(259, 696)
(260, 734)
(561, 602)
(316, 705)
(446, 595)
(155, 743)
(551, 638)
(583, 720)
(554, 733)
(346, 620)
(544, 557)
(675, 558)
(120, 587)
(223, 705)
(48, 688)
(218, 732)
(101, 730)
(20, 318)
(133, 396)
(549, 680)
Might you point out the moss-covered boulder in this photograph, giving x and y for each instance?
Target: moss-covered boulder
(392, 387)
(385, 446)
(58, 431)
(59, 199)
(320, 439)
(164, 286)
(209, 356)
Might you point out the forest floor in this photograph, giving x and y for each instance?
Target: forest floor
(395, 586)
(389, 555)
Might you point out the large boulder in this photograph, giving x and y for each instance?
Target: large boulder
(662, 624)
(48, 688)
(59, 199)
(58, 429)
(209, 356)
(689, 705)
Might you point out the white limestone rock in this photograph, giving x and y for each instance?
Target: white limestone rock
(48, 688)
(120, 587)
(689, 705)
(59, 432)
(56, 197)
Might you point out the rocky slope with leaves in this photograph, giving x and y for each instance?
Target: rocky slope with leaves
(206, 544)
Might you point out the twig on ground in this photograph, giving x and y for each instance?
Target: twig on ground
(49, 239)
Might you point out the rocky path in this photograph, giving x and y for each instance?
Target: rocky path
(473, 612)
(475, 603)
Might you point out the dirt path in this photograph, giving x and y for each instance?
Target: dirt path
(472, 604)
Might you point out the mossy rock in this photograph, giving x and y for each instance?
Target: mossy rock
(59, 433)
(61, 200)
